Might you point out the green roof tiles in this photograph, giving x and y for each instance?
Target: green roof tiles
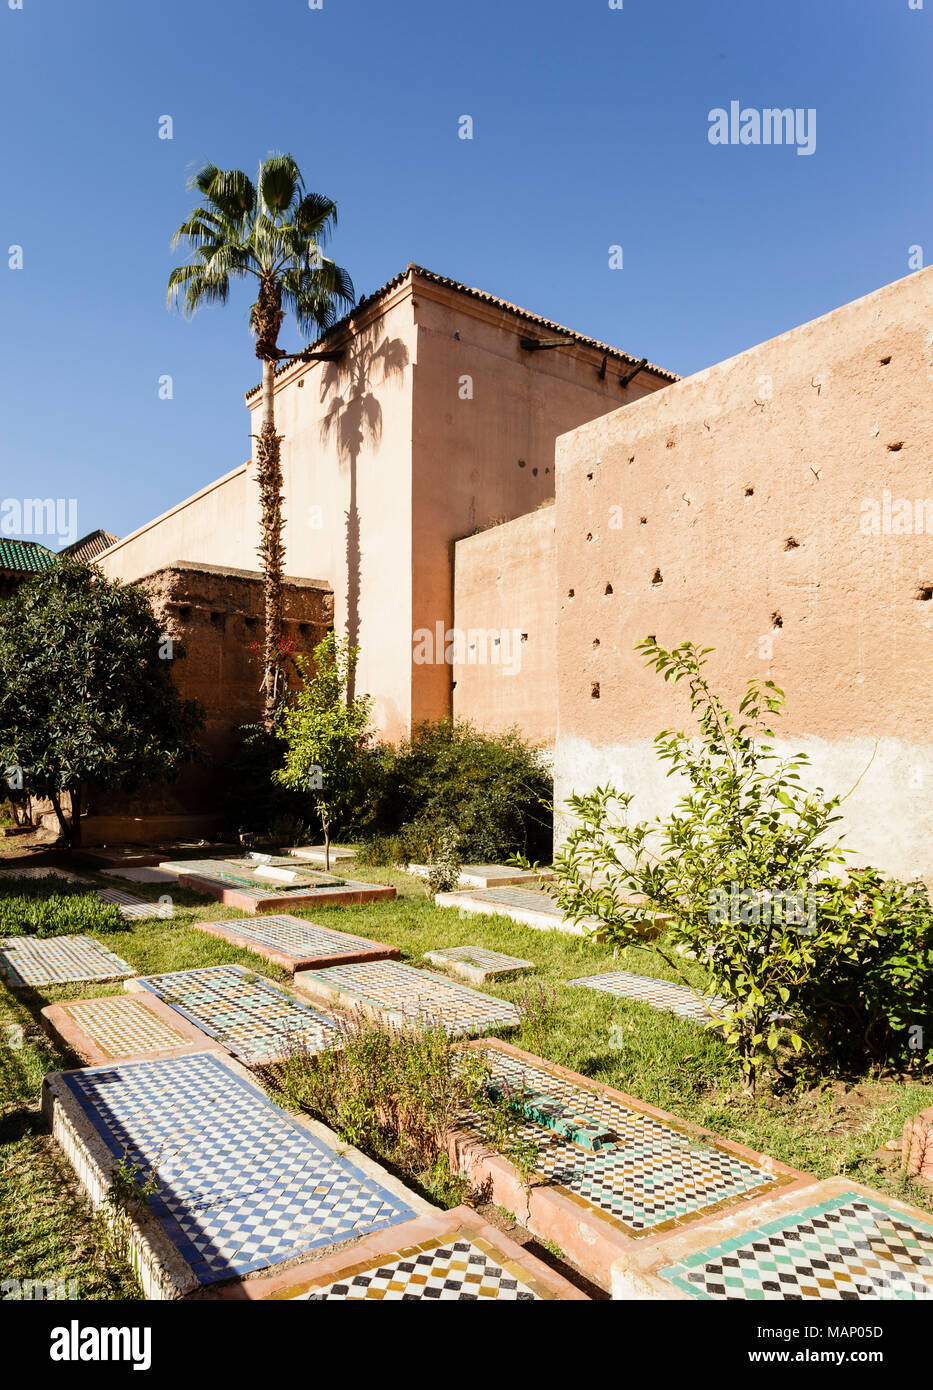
(25, 557)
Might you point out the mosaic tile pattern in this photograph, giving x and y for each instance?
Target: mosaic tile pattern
(241, 873)
(143, 874)
(240, 1184)
(644, 1174)
(292, 937)
(406, 995)
(131, 907)
(256, 1021)
(661, 994)
(119, 1025)
(476, 963)
(528, 898)
(38, 871)
(454, 1271)
(846, 1249)
(59, 960)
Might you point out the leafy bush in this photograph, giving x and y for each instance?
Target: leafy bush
(252, 802)
(729, 877)
(53, 907)
(872, 997)
(86, 697)
(494, 790)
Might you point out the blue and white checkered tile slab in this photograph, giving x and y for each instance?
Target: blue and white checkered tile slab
(240, 1185)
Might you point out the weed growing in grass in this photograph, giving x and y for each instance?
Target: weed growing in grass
(537, 1009)
(399, 1095)
(131, 1186)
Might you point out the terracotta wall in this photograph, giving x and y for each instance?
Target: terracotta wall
(735, 509)
(487, 413)
(215, 614)
(505, 611)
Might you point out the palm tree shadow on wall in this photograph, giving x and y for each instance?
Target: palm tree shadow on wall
(353, 418)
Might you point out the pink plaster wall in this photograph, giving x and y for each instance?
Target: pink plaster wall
(505, 584)
(729, 510)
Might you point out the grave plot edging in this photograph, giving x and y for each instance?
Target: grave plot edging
(66, 1031)
(636, 1277)
(591, 1239)
(460, 1221)
(162, 1271)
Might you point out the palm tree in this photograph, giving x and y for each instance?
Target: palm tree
(274, 231)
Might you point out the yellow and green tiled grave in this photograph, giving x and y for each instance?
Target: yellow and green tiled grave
(296, 944)
(269, 883)
(120, 1026)
(34, 962)
(243, 1012)
(400, 995)
(611, 1172)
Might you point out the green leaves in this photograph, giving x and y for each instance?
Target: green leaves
(84, 695)
(276, 235)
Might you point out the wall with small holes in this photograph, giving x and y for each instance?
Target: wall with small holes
(505, 607)
(777, 507)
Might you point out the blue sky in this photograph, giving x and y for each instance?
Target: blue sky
(590, 130)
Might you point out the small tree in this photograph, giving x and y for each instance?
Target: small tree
(84, 694)
(326, 734)
(729, 877)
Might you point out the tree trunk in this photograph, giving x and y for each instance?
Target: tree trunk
(325, 826)
(63, 825)
(271, 547)
(76, 818)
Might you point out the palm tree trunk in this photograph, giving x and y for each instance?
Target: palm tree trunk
(271, 546)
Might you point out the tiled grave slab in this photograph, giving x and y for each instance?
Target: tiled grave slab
(245, 1014)
(836, 1241)
(314, 854)
(120, 1026)
(448, 1258)
(131, 907)
(611, 1172)
(489, 875)
(296, 944)
(661, 994)
(241, 1186)
(398, 994)
(42, 871)
(114, 857)
(533, 909)
(143, 875)
(477, 965)
(237, 883)
(58, 960)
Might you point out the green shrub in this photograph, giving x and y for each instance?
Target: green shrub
(739, 877)
(252, 802)
(53, 907)
(872, 998)
(494, 790)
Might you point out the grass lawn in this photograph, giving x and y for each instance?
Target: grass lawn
(830, 1129)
